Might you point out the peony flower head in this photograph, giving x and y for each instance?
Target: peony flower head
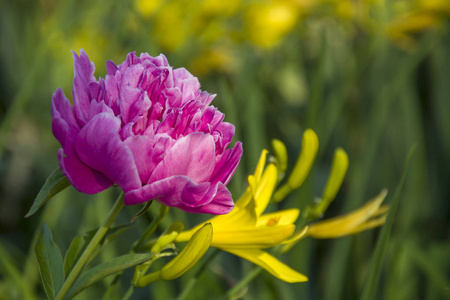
(149, 129)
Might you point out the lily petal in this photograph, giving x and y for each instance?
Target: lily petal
(261, 163)
(263, 191)
(259, 237)
(342, 225)
(282, 217)
(270, 264)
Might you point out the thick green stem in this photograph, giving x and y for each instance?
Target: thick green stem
(91, 247)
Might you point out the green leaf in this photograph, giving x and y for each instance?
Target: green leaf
(80, 242)
(76, 247)
(50, 262)
(370, 287)
(143, 210)
(106, 269)
(54, 184)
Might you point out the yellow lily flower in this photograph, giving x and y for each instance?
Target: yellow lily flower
(246, 230)
(371, 215)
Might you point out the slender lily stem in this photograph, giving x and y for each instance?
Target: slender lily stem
(91, 247)
(193, 280)
(241, 284)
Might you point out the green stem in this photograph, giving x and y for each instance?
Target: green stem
(193, 280)
(128, 293)
(91, 247)
(138, 244)
(244, 282)
(150, 229)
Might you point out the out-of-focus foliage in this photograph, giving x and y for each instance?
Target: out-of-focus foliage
(370, 76)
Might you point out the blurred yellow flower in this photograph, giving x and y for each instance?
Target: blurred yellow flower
(219, 58)
(420, 16)
(220, 7)
(170, 26)
(266, 23)
(146, 7)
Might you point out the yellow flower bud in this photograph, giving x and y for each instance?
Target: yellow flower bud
(190, 255)
(185, 260)
(310, 146)
(281, 156)
(167, 237)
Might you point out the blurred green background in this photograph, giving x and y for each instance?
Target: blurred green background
(370, 76)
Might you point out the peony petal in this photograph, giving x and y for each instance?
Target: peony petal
(99, 146)
(187, 83)
(96, 108)
(270, 264)
(83, 178)
(133, 103)
(227, 165)
(148, 151)
(64, 125)
(84, 74)
(111, 68)
(220, 203)
(175, 191)
(141, 146)
(192, 156)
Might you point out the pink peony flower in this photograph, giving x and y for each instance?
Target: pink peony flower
(149, 129)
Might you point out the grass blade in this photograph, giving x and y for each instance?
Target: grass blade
(370, 288)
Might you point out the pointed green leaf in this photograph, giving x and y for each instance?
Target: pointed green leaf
(80, 242)
(106, 269)
(50, 262)
(76, 247)
(113, 233)
(143, 210)
(54, 184)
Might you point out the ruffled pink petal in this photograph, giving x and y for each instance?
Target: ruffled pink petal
(83, 178)
(134, 103)
(142, 147)
(83, 75)
(96, 108)
(227, 165)
(220, 204)
(192, 156)
(187, 83)
(175, 191)
(111, 68)
(99, 146)
(64, 125)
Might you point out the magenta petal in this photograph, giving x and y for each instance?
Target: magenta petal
(64, 125)
(170, 191)
(111, 68)
(82, 177)
(84, 74)
(227, 165)
(141, 146)
(99, 146)
(222, 203)
(192, 156)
